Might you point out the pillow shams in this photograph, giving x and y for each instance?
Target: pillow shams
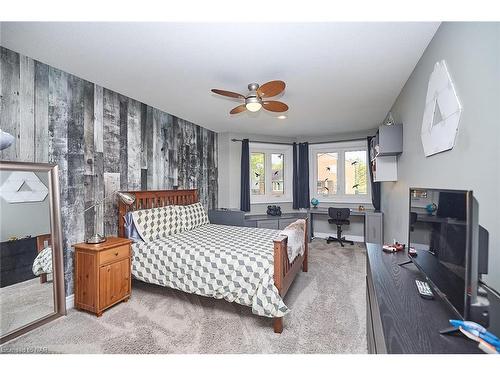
(193, 216)
(157, 222)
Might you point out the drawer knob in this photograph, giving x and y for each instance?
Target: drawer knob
(116, 254)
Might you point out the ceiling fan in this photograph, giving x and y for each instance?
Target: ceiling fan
(256, 97)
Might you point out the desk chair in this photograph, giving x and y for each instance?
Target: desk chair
(339, 217)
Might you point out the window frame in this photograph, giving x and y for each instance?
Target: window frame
(341, 148)
(269, 149)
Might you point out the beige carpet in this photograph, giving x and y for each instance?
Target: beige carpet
(328, 316)
(24, 302)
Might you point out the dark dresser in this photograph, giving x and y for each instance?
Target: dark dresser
(398, 320)
(16, 261)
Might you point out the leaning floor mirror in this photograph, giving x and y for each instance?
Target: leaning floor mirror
(31, 258)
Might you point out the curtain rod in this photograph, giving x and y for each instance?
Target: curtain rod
(311, 143)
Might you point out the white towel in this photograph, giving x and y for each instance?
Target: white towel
(296, 237)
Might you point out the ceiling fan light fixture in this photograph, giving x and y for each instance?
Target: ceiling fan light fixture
(282, 117)
(258, 98)
(253, 104)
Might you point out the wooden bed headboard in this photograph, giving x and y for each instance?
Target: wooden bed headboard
(40, 241)
(154, 198)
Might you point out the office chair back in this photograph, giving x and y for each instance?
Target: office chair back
(339, 214)
(339, 217)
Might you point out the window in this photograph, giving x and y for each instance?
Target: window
(327, 173)
(270, 173)
(340, 172)
(277, 176)
(257, 173)
(355, 173)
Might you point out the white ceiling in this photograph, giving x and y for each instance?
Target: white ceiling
(341, 77)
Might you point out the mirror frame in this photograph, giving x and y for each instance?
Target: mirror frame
(56, 243)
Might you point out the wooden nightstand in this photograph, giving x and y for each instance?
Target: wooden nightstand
(102, 274)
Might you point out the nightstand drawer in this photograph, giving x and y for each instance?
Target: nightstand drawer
(117, 253)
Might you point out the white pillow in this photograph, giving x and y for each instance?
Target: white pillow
(154, 223)
(193, 216)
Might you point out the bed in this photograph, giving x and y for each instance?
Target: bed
(42, 265)
(249, 266)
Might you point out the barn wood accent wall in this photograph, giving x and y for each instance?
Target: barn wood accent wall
(102, 141)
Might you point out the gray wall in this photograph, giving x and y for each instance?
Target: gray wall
(472, 53)
(102, 141)
(230, 167)
(26, 218)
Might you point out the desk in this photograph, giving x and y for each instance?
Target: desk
(373, 223)
(273, 222)
(240, 218)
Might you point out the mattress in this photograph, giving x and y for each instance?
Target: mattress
(219, 261)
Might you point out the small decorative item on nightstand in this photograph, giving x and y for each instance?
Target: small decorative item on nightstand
(102, 274)
(126, 198)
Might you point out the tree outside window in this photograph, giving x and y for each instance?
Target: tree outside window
(277, 177)
(355, 170)
(257, 173)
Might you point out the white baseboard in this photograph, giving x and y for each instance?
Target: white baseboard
(70, 302)
(348, 237)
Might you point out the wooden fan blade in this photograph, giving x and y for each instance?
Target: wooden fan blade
(238, 109)
(271, 88)
(228, 93)
(274, 106)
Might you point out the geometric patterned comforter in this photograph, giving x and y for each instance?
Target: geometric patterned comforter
(43, 262)
(219, 261)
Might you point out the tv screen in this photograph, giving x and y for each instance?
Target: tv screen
(439, 230)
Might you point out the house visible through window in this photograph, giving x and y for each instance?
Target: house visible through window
(270, 173)
(327, 173)
(339, 172)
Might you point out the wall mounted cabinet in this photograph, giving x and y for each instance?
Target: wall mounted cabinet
(385, 146)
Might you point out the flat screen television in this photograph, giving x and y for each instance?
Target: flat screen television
(444, 229)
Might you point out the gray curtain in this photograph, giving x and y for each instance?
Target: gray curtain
(245, 177)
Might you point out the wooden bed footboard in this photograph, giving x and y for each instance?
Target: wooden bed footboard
(285, 271)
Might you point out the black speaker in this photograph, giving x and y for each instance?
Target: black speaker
(274, 210)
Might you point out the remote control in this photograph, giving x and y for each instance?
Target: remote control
(424, 290)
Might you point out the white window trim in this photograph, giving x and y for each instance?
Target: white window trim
(339, 147)
(268, 149)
